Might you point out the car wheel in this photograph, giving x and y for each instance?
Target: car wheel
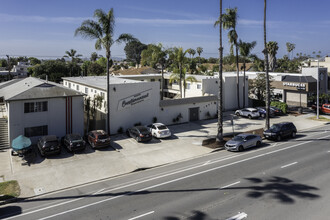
(293, 135)
(263, 115)
(279, 138)
(93, 145)
(258, 144)
(241, 148)
(238, 114)
(250, 116)
(137, 139)
(41, 153)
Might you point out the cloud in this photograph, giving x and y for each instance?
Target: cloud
(40, 19)
(164, 21)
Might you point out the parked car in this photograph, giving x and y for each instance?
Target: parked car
(248, 112)
(324, 108)
(98, 139)
(73, 142)
(49, 145)
(159, 130)
(139, 133)
(262, 112)
(281, 130)
(277, 111)
(243, 141)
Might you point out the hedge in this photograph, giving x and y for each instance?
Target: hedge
(281, 105)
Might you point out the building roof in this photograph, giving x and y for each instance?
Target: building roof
(302, 78)
(136, 71)
(33, 88)
(99, 82)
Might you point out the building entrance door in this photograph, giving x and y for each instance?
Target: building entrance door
(194, 114)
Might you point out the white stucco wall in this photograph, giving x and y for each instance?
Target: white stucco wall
(54, 117)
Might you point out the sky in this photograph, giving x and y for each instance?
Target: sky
(45, 28)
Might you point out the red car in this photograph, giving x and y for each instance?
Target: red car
(98, 139)
(325, 108)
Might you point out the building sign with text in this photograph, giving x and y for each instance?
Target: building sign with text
(299, 86)
(134, 99)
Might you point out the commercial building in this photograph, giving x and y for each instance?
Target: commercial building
(136, 99)
(34, 108)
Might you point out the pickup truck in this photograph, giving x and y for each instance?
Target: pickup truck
(325, 108)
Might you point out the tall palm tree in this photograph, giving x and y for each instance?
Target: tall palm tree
(102, 30)
(175, 77)
(191, 52)
(272, 48)
(72, 54)
(177, 55)
(245, 51)
(159, 56)
(199, 50)
(290, 47)
(230, 23)
(266, 68)
(220, 102)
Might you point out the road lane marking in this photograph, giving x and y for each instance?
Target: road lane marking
(164, 183)
(224, 187)
(148, 213)
(329, 151)
(98, 192)
(239, 216)
(207, 162)
(290, 164)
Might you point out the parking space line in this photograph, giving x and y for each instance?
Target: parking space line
(239, 216)
(290, 164)
(230, 185)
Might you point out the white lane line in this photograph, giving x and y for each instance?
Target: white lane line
(224, 187)
(329, 151)
(98, 192)
(157, 177)
(290, 164)
(207, 162)
(239, 216)
(148, 213)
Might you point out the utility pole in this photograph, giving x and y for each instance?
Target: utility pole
(9, 67)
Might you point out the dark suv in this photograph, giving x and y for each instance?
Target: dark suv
(281, 130)
(49, 145)
(98, 139)
(73, 142)
(139, 133)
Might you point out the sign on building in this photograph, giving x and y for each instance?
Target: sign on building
(133, 100)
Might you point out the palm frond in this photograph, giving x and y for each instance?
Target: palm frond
(191, 79)
(126, 38)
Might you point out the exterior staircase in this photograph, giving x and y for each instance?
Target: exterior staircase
(4, 134)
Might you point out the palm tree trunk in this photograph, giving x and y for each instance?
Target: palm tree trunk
(180, 86)
(220, 115)
(266, 66)
(237, 80)
(244, 84)
(108, 93)
(162, 84)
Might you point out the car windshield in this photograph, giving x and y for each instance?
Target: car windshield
(51, 143)
(238, 138)
(75, 138)
(161, 127)
(254, 110)
(143, 130)
(275, 128)
(102, 136)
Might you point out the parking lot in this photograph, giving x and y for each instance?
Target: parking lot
(126, 155)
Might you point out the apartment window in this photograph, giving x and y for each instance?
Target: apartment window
(77, 87)
(152, 80)
(95, 91)
(66, 83)
(188, 85)
(199, 86)
(102, 94)
(36, 131)
(92, 90)
(86, 90)
(35, 107)
(70, 85)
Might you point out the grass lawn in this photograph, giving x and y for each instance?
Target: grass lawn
(321, 118)
(9, 189)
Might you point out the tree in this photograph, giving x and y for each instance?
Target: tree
(54, 69)
(199, 50)
(177, 55)
(258, 87)
(267, 71)
(191, 52)
(175, 77)
(95, 69)
(34, 61)
(102, 30)
(229, 20)
(245, 51)
(94, 56)
(290, 47)
(272, 48)
(72, 54)
(133, 51)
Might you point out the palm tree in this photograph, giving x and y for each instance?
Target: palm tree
(199, 50)
(175, 77)
(102, 30)
(72, 54)
(191, 52)
(220, 103)
(229, 23)
(266, 67)
(94, 56)
(290, 47)
(245, 51)
(272, 48)
(177, 55)
(159, 56)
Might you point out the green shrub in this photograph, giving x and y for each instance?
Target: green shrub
(281, 105)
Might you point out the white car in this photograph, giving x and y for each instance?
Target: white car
(248, 112)
(159, 130)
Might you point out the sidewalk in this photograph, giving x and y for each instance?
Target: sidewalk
(67, 170)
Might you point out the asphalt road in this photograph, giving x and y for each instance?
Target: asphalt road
(284, 180)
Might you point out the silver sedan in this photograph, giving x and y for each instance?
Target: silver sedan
(243, 141)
